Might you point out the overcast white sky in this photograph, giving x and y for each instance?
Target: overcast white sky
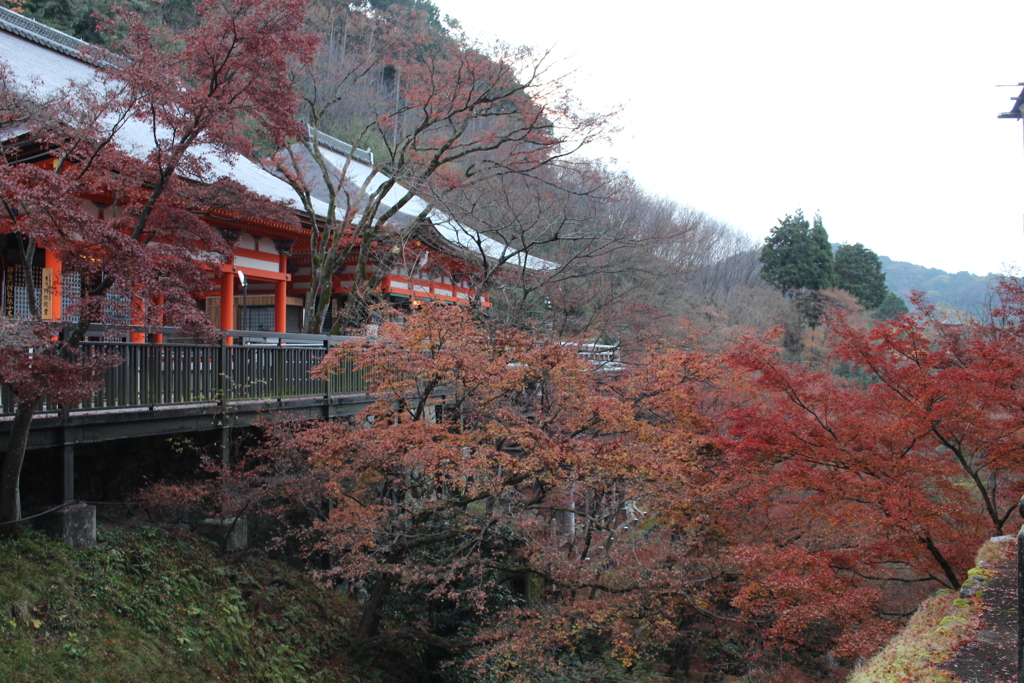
(882, 115)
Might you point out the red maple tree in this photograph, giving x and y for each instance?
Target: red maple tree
(631, 511)
(886, 477)
(538, 491)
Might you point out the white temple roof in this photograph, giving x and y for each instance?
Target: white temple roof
(42, 61)
(450, 229)
(44, 71)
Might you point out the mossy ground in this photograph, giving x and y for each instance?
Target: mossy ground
(935, 629)
(153, 605)
(938, 628)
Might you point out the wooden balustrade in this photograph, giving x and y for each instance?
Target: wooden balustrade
(151, 375)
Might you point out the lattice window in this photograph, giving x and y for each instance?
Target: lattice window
(71, 292)
(258, 318)
(15, 295)
(118, 308)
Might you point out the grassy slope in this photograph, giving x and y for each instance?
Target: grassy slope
(934, 630)
(153, 605)
(938, 626)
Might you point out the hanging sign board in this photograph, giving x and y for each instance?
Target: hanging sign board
(46, 305)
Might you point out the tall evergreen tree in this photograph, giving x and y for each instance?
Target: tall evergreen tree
(858, 270)
(892, 307)
(821, 250)
(797, 256)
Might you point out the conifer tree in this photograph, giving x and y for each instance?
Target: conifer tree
(796, 256)
(859, 271)
(892, 306)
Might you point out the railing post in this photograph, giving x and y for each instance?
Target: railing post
(327, 382)
(279, 370)
(157, 383)
(1020, 596)
(67, 458)
(225, 387)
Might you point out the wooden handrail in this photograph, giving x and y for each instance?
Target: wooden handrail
(151, 375)
(105, 332)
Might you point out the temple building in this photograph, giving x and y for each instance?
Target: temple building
(262, 286)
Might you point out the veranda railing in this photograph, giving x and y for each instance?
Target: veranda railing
(179, 373)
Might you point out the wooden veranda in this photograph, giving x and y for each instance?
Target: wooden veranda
(180, 387)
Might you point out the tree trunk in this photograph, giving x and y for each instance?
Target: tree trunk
(947, 568)
(17, 443)
(369, 623)
(10, 475)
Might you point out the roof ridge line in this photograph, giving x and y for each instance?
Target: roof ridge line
(339, 146)
(38, 32)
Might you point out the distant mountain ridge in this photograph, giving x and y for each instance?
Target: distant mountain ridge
(964, 291)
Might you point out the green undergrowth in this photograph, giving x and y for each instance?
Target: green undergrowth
(939, 625)
(154, 605)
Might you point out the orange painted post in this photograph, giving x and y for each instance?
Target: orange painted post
(227, 301)
(137, 319)
(50, 307)
(281, 298)
(159, 337)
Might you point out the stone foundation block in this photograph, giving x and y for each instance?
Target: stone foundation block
(75, 524)
(232, 533)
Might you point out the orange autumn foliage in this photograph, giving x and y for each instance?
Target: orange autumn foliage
(506, 507)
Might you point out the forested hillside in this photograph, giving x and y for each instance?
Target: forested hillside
(962, 291)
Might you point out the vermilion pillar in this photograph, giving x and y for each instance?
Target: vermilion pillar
(159, 338)
(138, 318)
(281, 298)
(55, 275)
(227, 301)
